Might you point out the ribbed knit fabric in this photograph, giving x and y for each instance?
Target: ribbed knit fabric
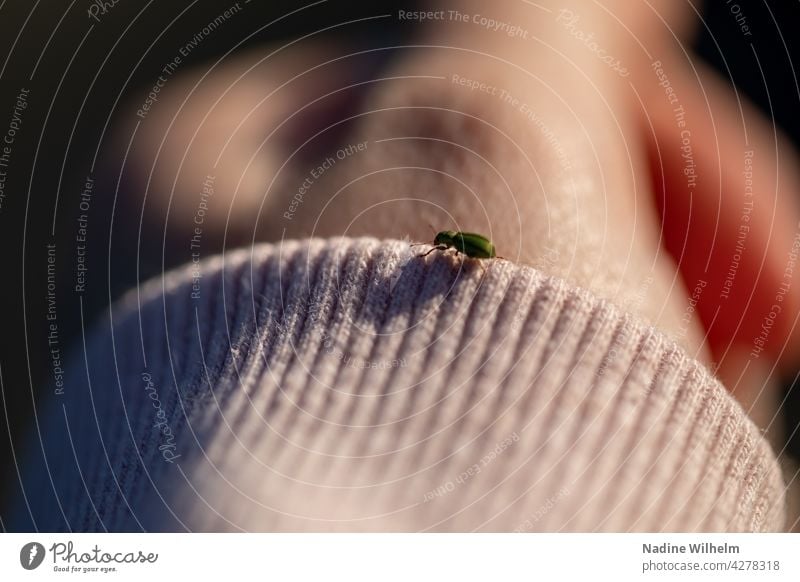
(349, 385)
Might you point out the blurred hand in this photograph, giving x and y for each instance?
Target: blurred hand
(587, 144)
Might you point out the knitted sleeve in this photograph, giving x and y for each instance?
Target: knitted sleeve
(346, 384)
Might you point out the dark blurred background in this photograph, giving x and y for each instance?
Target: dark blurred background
(63, 57)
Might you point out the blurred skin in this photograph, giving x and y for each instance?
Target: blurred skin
(567, 164)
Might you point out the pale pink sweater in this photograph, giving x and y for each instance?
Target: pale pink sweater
(349, 385)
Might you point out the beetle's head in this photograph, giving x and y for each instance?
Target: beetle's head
(444, 238)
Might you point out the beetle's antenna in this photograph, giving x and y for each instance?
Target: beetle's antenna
(433, 230)
(439, 248)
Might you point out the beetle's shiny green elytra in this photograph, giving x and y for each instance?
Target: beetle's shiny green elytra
(475, 246)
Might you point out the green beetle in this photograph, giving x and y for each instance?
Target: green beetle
(475, 246)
